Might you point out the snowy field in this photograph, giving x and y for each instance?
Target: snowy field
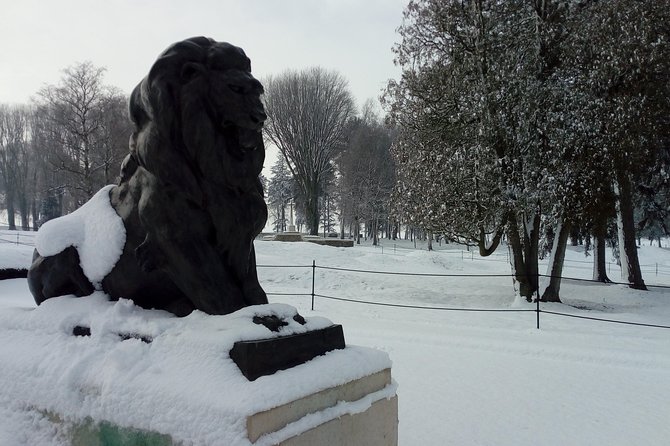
(473, 378)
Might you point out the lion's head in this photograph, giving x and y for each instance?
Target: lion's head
(201, 100)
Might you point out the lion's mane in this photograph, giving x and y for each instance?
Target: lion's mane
(190, 189)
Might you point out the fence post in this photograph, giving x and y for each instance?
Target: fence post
(656, 269)
(313, 275)
(394, 248)
(17, 238)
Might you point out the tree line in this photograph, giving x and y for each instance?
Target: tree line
(528, 121)
(535, 122)
(56, 152)
(335, 166)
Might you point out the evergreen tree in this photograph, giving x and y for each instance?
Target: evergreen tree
(619, 64)
(280, 192)
(511, 114)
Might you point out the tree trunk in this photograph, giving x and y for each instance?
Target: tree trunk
(24, 212)
(25, 220)
(312, 215)
(430, 240)
(357, 228)
(574, 236)
(599, 264)
(524, 254)
(33, 211)
(486, 249)
(531, 244)
(11, 211)
(375, 232)
(555, 267)
(630, 264)
(282, 224)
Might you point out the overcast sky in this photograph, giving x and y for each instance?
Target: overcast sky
(40, 38)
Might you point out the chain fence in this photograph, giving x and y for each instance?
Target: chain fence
(646, 268)
(18, 238)
(538, 309)
(27, 238)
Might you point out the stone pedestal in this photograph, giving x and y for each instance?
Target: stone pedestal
(107, 372)
(375, 425)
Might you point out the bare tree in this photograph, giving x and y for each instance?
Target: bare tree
(307, 116)
(88, 131)
(115, 128)
(48, 181)
(14, 162)
(367, 174)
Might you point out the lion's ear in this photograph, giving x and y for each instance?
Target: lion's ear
(190, 70)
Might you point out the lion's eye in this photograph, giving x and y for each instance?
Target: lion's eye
(236, 88)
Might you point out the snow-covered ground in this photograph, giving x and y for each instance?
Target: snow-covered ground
(474, 378)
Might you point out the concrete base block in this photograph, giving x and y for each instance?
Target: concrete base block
(375, 426)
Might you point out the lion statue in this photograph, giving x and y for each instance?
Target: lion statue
(189, 196)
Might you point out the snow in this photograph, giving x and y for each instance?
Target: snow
(184, 374)
(463, 377)
(15, 256)
(94, 229)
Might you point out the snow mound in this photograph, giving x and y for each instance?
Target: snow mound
(183, 383)
(95, 229)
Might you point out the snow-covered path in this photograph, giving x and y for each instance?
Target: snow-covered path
(509, 386)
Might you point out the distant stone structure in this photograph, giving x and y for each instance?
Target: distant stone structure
(189, 197)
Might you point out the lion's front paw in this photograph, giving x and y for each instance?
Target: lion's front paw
(148, 256)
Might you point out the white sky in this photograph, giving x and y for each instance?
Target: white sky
(40, 38)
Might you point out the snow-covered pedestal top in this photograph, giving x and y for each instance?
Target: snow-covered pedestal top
(183, 383)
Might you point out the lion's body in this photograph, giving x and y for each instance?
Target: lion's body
(189, 196)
